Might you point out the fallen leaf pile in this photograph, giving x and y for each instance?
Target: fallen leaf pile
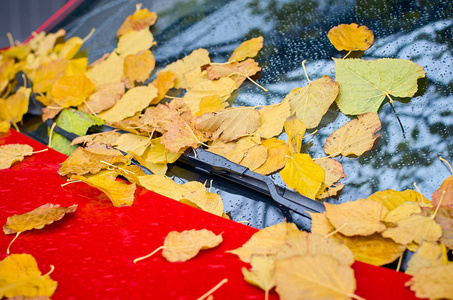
(118, 90)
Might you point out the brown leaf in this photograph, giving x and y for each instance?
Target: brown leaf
(351, 37)
(444, 218)
(11, 153)
(355, 137)
(37, 218)
(103, 138)
(444, 192)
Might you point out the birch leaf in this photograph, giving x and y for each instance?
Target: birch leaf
(20, 276)
(277, 156)
(104, 97)
(272, 119)
(138, 67)
(202, 198)
(140, 19)
(334, 172)
(163, 185)
(364, 85)
(132, 143)
(355, 137)
(310, 103)
(262, 272)
(427, 255)
(444, 192)
(133, 42)
(72, 90)
(110, 70)
(303, 175)
(351, 37)
(295, 129)
(444, 218)
(247, 68)
(14, 107)
(211, 103)
(249, 48)
(392, 199)
(433, 283)
(11, 153)
(164, 82)
(414, 229)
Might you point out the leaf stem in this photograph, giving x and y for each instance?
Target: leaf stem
(347, 54)
(354, 296)
(438, 205)
(50, 134)
(421, 195)
(445, 161)
(336, 230)
(400, 260)
(305, 70)
(88, 36)
(10, 39)
(149, 255)
(9, 246)
(398, 118)
(52, 268)
(208, 293)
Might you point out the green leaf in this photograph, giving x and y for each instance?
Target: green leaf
(364, 85)
(74, 121)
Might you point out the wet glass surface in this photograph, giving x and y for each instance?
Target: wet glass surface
(293, 31)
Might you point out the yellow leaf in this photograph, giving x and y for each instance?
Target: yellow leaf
(194, 60)
(14, 107)
(392, 199)
(120, 193)
(132, 143)
(320, 224)
(76, 66)
(355, 137)
(140, 19)
(104, 97)
(414, 229)
(229, 124)
(310, 103)
(277, 156)
(182, 246)
(351, 37)
(249, 48)
(211, 103)
(361, 217)
(198, 195)
(262, 272)
(48, 42)
(156, 153)
(133, 101)
(4, 127)
(303, 175)
(267, 241)
(18, 51)
(47, 74)
(303, 243)
(433, 283)
(238, 70)
(90, 160)
(272, 119)
(295, 129)
(428, 255)
(20, 276)
(72, 90)
(11, 153)
(404, 210)
(133, 42)
(244, 151)
(334, 172)
(163, 185)
(70, 48)
(138, 67)
(164, 82)
(37, 218)
(313, 277)
(109, 70)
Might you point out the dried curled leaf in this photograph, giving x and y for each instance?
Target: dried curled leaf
(355, 137)
(20, 276)
(351, 37)
(182, 246)
(11, 153)
(37, 218)
(313, 277)
(433, 283)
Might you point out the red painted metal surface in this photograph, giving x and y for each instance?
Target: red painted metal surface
(92, 250)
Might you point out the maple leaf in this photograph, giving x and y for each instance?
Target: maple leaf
(310, 103)
(249, 48)
(120, 193)
(229, 124)
(360, 217)
(277, 156)
(133, 42)
(355, 137)
(104, 97)
(11, 153)
(261, 274)
(267, 241)
(414, 228)
(365, 84)
(107, 70)
(303, 175)
(37, 218)
(72, 90)
(444, 218)
(313, 277)
(182, 246)
(163, 82)
(272, 119)
(433, 283)
(14, 107)
(140, 19)
(180, 68)
(295, 129)
(333, 173)
(90, 160)
(20, 276)
(138, 67)
(444, 192)
(133, 101)
(392, 199)
(428, 255)
(351, 37)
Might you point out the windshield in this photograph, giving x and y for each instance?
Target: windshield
(295, 31)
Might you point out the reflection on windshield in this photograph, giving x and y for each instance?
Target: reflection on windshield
(294, 31)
